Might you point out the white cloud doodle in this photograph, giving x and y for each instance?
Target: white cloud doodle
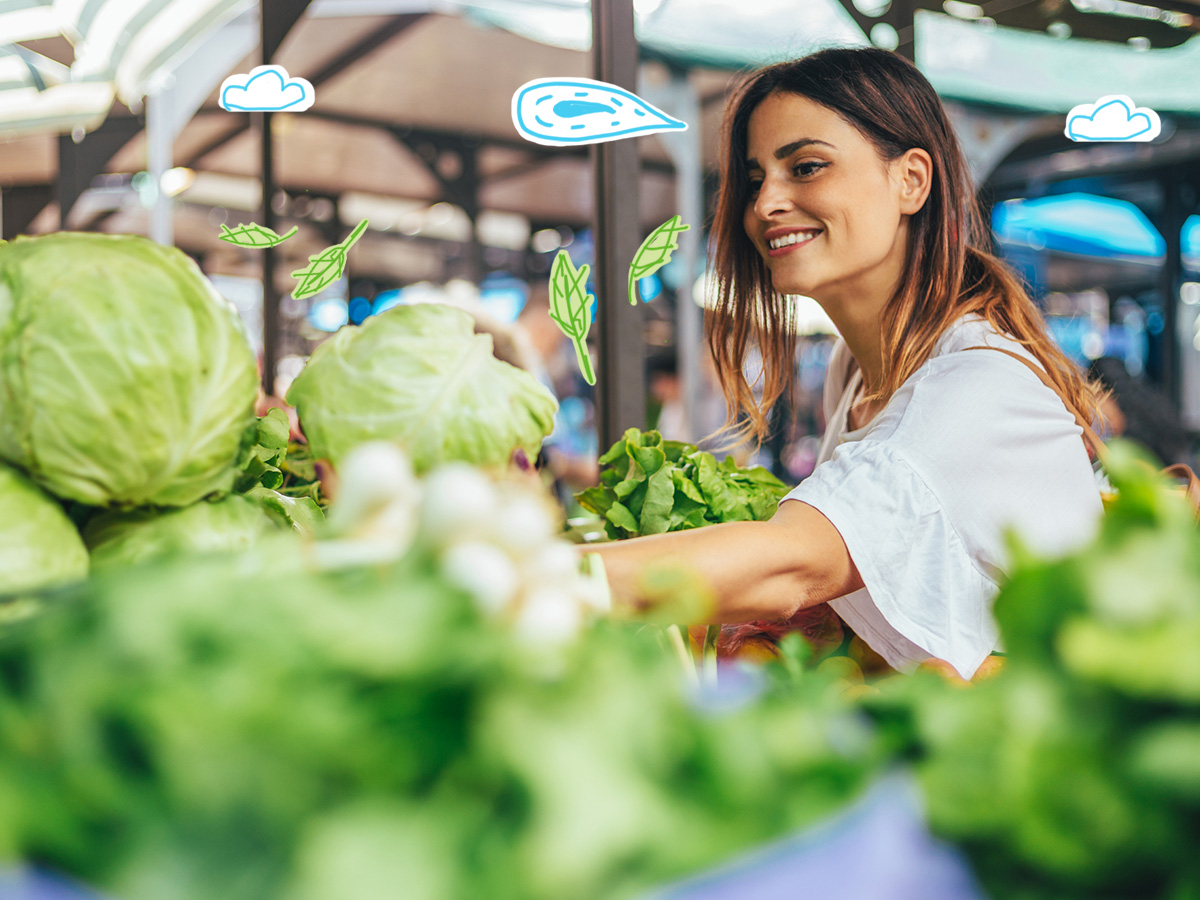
(1112, 118)
(266, 89)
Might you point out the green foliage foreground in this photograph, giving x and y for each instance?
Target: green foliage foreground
(243, 727)
(235, 728)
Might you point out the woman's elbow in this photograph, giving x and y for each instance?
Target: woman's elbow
(819, 567)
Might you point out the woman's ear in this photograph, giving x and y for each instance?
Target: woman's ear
(915, 173)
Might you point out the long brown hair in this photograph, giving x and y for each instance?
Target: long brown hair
(949, 273)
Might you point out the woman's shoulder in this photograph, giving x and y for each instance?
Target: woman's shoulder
(973, 330)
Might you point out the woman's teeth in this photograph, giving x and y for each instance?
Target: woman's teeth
(796, 237)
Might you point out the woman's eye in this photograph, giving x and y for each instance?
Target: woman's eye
(808, 168)
(755, 186)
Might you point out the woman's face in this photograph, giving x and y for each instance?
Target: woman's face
(826, 213)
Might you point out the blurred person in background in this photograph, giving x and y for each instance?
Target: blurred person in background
(1139, 412)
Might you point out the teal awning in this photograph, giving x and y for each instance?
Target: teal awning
(964, 60)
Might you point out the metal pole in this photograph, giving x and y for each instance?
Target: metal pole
(270, 299)
(159, 141)
(689, 193)
(621, 376)
(1171, 280)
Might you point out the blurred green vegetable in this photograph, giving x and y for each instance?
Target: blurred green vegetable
(420, 376)
(128, 538)
(39, 547)
(264, 449)
(245, 729)
(1076, 772)
(125, 379)
(650, 486)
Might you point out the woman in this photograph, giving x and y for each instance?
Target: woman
(842, 180)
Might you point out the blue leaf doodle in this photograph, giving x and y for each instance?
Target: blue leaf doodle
(584, 112)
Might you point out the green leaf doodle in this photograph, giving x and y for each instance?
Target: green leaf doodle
(254, 235)
(571, 308)
(654, 253)
(326, 267)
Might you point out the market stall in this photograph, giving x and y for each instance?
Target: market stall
(348, 642)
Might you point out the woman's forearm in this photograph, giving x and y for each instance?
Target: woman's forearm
(753, 570)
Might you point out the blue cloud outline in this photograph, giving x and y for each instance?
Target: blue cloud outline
(1130, 115)
(283, 86)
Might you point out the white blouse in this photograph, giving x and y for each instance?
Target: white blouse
(971, 444)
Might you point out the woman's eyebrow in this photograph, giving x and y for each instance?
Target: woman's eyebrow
(788, 149)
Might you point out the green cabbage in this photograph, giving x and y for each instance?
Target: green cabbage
(118, 538)
(125, 379)
(420, 376)
(39, 547)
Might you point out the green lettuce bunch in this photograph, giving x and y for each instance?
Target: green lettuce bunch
(650, 486)
(125, 379)
(420, 376)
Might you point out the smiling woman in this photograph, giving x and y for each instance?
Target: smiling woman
(842, 180)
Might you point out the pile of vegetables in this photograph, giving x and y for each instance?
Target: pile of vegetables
(650, 486)
(127, 391)
(364, 715)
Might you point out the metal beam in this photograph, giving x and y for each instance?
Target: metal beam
(277, 19)
(1170, 226)
(21, 205)
(79, 163)
(621, 372)
(333, 68)
(899, 15)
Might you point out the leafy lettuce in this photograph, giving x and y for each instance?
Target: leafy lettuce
(650, 486)
(420, 376)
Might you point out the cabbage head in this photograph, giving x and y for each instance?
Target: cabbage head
(127, 538)
(125, 378)
(420, 376)
(39, 546)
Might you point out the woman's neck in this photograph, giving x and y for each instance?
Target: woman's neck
(862, 336)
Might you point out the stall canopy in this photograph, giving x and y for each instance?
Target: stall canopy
(116, 47)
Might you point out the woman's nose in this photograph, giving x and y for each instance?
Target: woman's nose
(772, 198)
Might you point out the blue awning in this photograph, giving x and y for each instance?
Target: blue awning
(1081, 224)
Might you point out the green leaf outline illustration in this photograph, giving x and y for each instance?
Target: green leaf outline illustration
(326, 267)
(237, 235)
(654, 253)
(571, 308)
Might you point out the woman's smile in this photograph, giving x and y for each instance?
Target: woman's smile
(781, 241)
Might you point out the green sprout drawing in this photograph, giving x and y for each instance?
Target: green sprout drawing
(571, 308)
(326, 267)
(654, 253)
(254, 236)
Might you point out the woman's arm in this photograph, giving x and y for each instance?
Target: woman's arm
(756, 570)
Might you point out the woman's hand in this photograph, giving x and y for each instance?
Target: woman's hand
(754, 570)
